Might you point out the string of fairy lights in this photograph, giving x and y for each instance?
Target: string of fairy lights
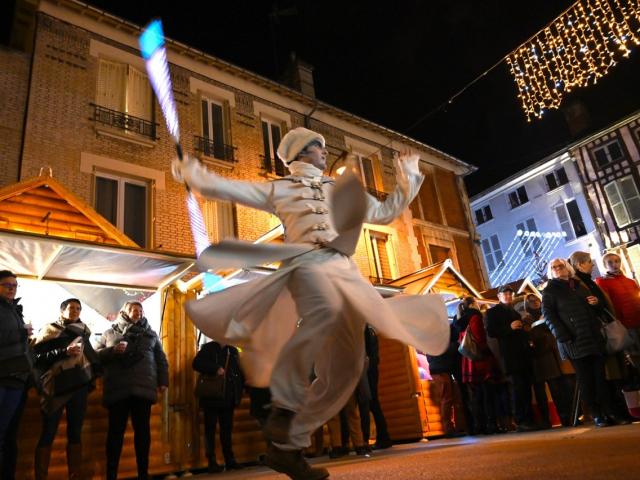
(575, 50)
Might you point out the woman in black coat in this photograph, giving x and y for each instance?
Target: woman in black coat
(216, 359)
(572, 313)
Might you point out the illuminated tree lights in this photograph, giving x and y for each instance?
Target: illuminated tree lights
(575, 50)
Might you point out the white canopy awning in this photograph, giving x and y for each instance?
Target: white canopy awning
(70, 261)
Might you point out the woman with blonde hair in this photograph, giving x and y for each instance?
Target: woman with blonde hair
(136, 370)
(572, 313)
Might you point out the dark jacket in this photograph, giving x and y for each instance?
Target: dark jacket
(514, 344)
(546, 357)
(208, 360)
(13, 344)
(48, 352)
(574, 323)
(446, 362)
(140, 369)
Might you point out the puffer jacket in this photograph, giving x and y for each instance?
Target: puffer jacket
(140, 369)
(13, 342)
(574, 323)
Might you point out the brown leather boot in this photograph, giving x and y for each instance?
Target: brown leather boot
(276, 428)
(293, 464)
(43, 455)
(74, 461)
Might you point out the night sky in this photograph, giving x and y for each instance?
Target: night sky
(394, 62)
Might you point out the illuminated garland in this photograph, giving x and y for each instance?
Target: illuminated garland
(575, 50)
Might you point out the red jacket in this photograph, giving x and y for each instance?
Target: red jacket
(486, 369)
(625, 296)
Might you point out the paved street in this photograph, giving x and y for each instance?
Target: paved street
(578, 453)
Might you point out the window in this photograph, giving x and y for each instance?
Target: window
(492, 252)
(123, 202)
(381, 252)
(366, 169)
(220, 220)
(439, 254)
(570, 220)
(607, 153)
(271, 135)
(518, 197)
(122, 89)
(530, 241)
(214, 143)
(483, 215)
(556, 178)
(624, 200)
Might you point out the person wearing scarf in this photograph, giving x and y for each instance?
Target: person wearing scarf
(571, 312)
(616, 371)
(68, 366)
(317, 283)
(135, 371)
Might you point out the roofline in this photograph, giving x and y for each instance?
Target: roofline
(281, 88)
(548, 158)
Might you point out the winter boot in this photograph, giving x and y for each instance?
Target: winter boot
(293, 464)
(43, 456)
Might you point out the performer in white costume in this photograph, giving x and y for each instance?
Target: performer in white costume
(310, 314)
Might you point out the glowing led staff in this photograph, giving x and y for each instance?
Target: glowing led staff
(517, 257)
(539, 254)
(501, 263)
(551, 241)
(155, 57)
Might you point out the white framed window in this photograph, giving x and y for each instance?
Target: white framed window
(492, 252)
(124, 202)
(518, 197)
(483, 215)
(624, 200)
(214, 130)
(271, 135)
(608, 153)
(556, 179)
(570, 220)
(367, 171)
(382, 259)
(530, 243)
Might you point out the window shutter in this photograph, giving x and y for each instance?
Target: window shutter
(486, 248)
(383, 255)
(618, 208)
(138, 94)
(565, 222)
(204, 106)
(631, 198)
(497, 249)
(110, 92)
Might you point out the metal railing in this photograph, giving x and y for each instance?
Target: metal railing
(124, 121)
(274, 166)
(217, 150)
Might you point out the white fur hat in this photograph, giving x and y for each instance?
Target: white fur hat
(294, 142)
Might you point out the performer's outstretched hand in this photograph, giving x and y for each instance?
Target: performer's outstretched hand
(407, 164)
(184, 170)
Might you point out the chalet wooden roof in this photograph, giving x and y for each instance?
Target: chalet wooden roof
(440, 278)
(521, 286)
(44, 206)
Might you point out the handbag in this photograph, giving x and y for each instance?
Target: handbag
(617, 335)
(469, 347)
(212, 386)
(71, 379)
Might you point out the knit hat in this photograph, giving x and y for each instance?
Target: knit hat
(295, 141)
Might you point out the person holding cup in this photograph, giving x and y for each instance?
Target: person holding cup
(15, 368)
(68, 366)
(136, 370)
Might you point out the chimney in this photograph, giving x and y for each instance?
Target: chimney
(299, 76)
(577, 116)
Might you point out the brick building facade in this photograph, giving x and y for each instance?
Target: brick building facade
(97, 142)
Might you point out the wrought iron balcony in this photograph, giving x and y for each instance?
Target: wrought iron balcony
(217, 150)
(124, 121)
(376, 193)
